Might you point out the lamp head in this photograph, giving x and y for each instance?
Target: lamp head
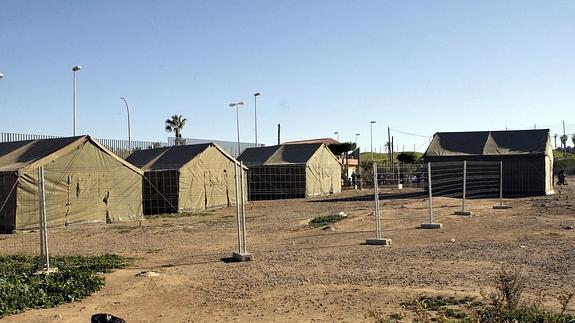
(76, 68)
(258, 93)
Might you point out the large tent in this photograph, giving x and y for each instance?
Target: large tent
(83, 182)
(526, 156)
(187, 178)
(291, 171)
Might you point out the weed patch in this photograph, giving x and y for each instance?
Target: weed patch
(77, 277)
(326, 220)
(503, 304)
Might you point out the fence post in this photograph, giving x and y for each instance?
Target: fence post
(237, 208)
(241, 254)
(463, 212)
(376, 200)
(44, 255)
(430, 225)
(399, 185)
(378, 240)
(243, 207)
(501, 206)
(464, 184)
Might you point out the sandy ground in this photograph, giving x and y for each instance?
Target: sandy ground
(310, 274)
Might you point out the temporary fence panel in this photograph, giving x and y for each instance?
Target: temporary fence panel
(278, 215)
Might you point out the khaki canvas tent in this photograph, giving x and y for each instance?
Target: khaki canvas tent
(187, 178)
(526, 156)
(291, 171)
(84, 183)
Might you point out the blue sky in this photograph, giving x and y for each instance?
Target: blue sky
(323, 66)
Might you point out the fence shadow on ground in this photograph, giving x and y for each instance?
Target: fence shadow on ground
(369, 197)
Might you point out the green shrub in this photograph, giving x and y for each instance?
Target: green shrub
(22, 288)
(326, 220)
(566, 164)
(505, 304)
(524, 313)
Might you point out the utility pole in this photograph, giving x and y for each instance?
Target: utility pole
(392, 150)
(388, 146)
(565, 143)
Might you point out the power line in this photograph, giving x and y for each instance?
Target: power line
(410, 134)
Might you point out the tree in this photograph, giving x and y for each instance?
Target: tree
(407, 158)
(564, 140)
(176, 124)
(573, 139)
(340, 148)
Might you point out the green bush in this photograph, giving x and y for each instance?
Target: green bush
(77, 277)
(567, 164)
(504, 304)
(523, 313)
(325, 220)
(407, 157)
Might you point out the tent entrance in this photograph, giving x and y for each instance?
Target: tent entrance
(277, 182)
(161, 192)
(8, 187)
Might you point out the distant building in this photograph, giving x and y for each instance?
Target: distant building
(527, 156)
(230, 147)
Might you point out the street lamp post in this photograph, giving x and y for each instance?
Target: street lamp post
(237, 106)
(371, 137)
(74, 70)
(256, 113)
(129, 127)
(337, 135)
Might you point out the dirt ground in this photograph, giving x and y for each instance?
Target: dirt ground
(308, 274)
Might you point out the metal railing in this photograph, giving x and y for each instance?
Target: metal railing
(124, 148)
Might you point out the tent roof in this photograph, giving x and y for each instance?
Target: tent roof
(170, 158)
(28, 154)
(285, 154)
(489, 143)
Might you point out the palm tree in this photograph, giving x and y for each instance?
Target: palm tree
(563, 140)
(176, 124)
